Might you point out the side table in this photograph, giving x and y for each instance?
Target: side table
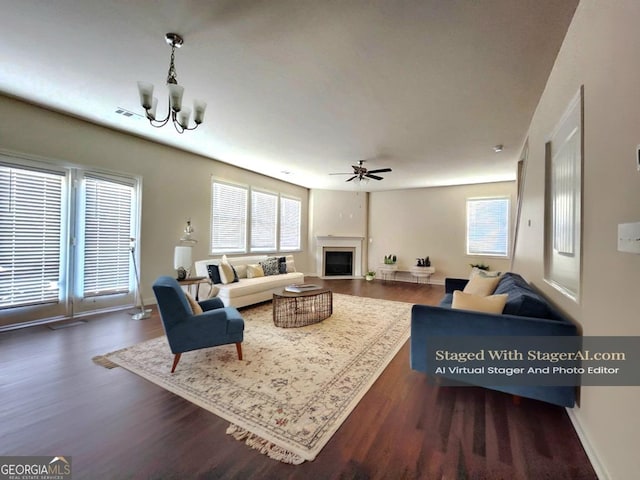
(194, 282)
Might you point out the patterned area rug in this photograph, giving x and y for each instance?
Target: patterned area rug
(295, 386)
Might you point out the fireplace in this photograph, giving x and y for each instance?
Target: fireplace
(340, 245)
(338, 261)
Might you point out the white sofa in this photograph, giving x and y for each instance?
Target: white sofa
(248, 291)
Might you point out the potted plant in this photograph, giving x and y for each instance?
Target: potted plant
(370, 276)
(480, 266)
(390, 259)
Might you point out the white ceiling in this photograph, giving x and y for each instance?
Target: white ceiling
(426, 87)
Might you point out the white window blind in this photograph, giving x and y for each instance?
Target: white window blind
(30, 236)
(488, 226)
(264, 221)
(107, 233)
(290, 217)
(228, 218)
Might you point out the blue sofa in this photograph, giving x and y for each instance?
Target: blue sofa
(526, 313)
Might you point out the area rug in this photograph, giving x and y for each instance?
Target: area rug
(295, 386)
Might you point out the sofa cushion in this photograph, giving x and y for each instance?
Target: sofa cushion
(250, 286)
(523, 300)
(479, 303)
(481, 285)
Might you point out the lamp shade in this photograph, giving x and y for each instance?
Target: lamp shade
(182, 257)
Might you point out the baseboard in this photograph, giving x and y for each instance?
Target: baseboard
(597, 465)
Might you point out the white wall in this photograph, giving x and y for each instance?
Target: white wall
(429, 222)
(601, 52)
(176, 184)
(337, 213)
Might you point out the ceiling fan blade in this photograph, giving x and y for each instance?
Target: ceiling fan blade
(375, 177)
(349, 173)
(355, 176)
(380, 170)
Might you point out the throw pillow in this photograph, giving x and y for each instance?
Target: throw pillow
(254, 271)
(270, 266)
(482, 286)
(226, 273)
(214, 273)
(196, 309)
(241, 270)
(478, 303)
(282, 265)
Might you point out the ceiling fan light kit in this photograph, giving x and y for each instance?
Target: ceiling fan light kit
(179, 115)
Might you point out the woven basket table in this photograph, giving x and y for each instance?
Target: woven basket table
(297, 309)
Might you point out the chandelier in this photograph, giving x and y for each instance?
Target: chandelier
(179, 115)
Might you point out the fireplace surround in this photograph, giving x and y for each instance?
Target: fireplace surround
(339, 244)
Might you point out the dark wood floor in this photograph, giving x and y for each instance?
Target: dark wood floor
(116, 425)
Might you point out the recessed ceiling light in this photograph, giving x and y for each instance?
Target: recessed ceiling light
(498, 148)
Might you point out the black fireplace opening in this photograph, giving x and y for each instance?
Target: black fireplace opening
(338, 263)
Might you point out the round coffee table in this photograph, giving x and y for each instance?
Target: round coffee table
(298, 309)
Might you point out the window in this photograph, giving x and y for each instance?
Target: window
(64, 240)
(290, 210)
(259, 222)
(264, 219)
(228, 218)
(107, 233)
(31, 226)
(488, 226)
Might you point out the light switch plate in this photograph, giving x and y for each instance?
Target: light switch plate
(629, 237)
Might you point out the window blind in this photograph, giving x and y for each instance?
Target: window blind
(264, 220)
(30, 236)
(488, 226)
(290, 217)
(107, 233)
(228, 218)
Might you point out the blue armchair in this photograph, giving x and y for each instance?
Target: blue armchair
(217, 325)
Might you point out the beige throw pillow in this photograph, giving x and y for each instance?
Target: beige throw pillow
(226, 273)
(254, 270)
(482, 286)
(195, 306)
(477, 303)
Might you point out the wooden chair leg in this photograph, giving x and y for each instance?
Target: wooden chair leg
(239, 349)
(176, 359)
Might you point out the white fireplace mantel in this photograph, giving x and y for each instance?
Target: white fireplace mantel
(339, 241)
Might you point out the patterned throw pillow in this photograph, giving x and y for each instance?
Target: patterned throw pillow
(270, 266)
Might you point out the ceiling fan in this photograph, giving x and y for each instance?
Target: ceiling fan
(361, 173)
